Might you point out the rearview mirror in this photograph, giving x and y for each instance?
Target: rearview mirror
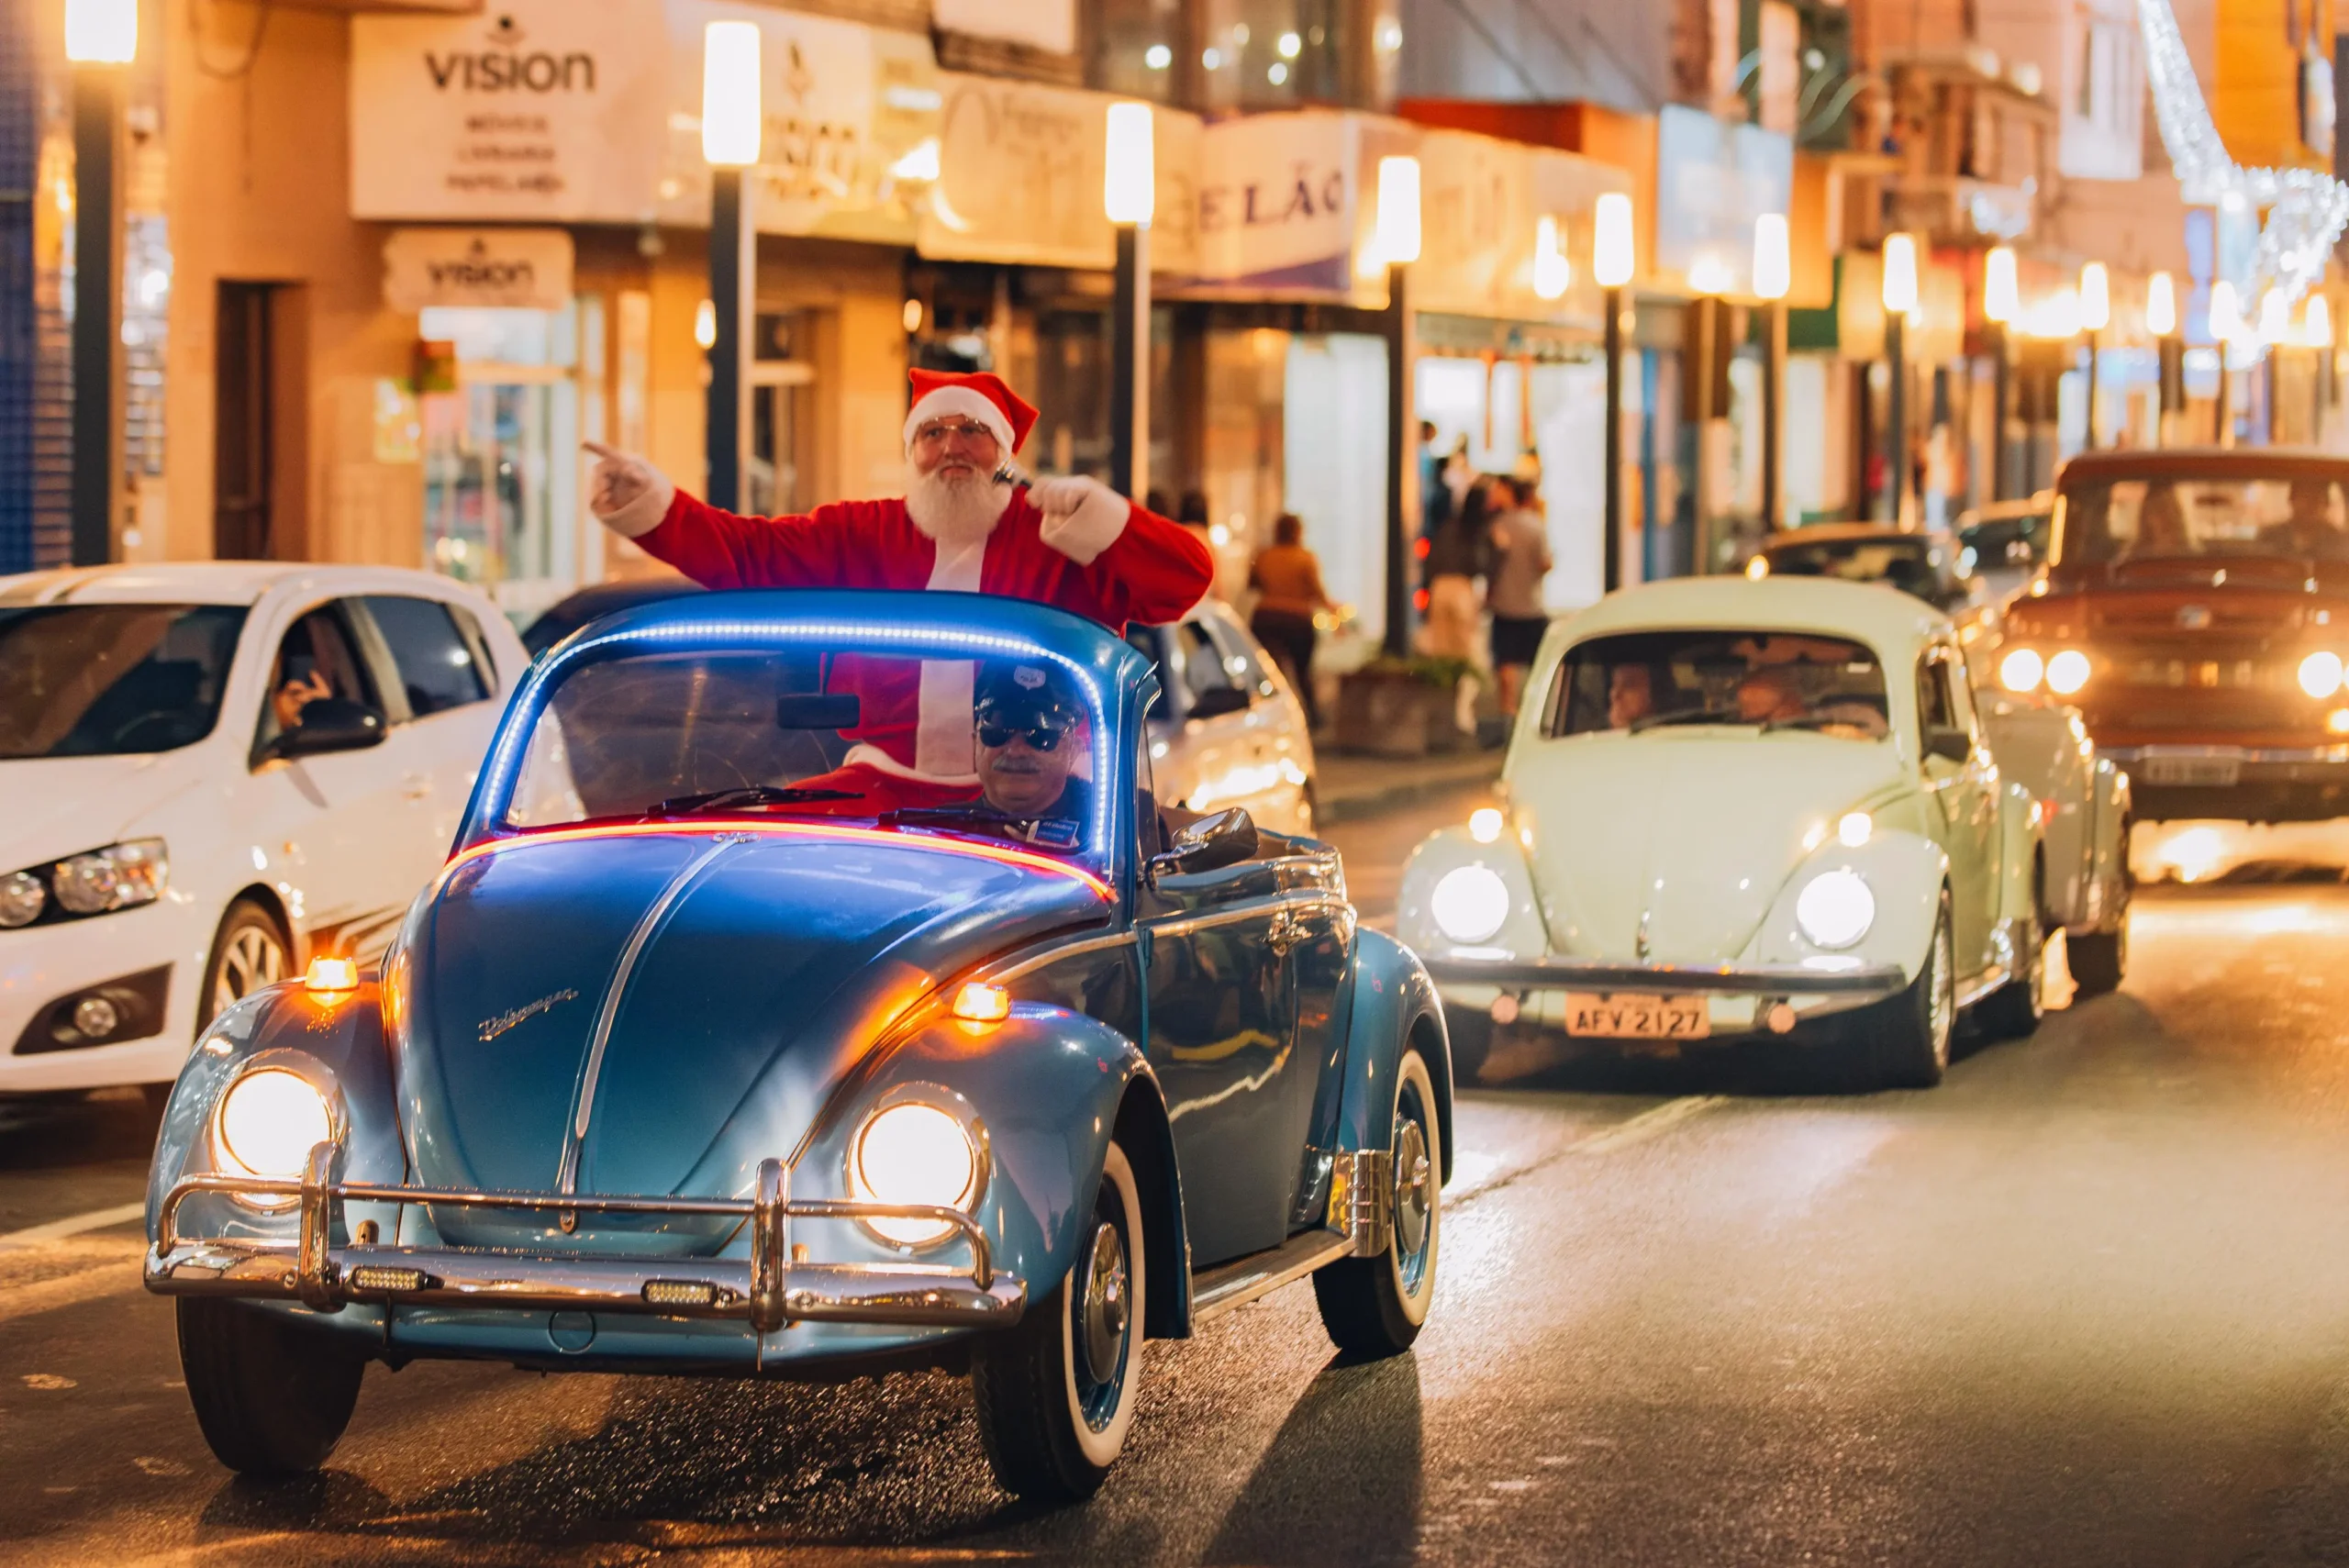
(1211, 843)
(331, 724)
(1947, 741)
(818, 711)
(1217, 701)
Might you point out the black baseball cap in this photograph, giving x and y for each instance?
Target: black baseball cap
(1025, 694)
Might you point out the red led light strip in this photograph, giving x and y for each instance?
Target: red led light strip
(1002, 854)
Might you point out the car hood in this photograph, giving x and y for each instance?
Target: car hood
(62, 806)
(701, 992)
(1690, 834)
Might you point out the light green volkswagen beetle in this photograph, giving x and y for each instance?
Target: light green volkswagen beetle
(1735, 807)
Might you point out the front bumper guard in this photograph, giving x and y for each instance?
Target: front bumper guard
(1763, 980)
(772, 1289)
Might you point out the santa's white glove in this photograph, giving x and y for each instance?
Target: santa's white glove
(1083, 517)
(627, 495)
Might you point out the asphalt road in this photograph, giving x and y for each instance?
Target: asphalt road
(2086, 1303)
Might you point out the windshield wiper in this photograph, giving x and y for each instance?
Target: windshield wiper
(1689, 715)
(751, 795)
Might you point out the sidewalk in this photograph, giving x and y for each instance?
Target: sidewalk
(1347, 789)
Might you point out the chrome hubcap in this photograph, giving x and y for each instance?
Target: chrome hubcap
(1104, 1312)
(1412, 1176)
(1944, 994)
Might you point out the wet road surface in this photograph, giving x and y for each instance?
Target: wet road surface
(2086, 1303)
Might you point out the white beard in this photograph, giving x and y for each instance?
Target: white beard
(954, 511)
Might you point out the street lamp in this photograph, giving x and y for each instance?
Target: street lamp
(732, 122)
(1130, 198)
(2001, 303)
(1899, 299)
(2095, 314)
(1773, 277)
(2226, 323)
(2161, 320)
(101, 39)
(1611, 264)
(1395, 239)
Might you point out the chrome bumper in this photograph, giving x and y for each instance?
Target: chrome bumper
(771, 1289)
(1774, 980)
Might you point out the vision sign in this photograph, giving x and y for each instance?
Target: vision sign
(521, 269)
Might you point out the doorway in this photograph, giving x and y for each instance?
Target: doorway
(245, 408)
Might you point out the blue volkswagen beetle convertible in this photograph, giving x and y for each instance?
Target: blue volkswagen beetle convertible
(721, 1046)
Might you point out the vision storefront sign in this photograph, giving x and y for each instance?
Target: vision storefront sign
(515, 269)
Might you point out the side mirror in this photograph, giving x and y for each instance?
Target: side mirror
(1217, 701)
(1947, 741)
(1211, 843)
(332, 724)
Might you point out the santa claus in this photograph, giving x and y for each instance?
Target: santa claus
(963, 524)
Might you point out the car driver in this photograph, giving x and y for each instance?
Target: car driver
(1026, 724)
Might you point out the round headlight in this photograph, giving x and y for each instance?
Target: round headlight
(270, 1120)
(912, 1152)
(2020, 671)
(2320, 673)
(22, 899)
(2068, 672)
(1470, 903)
(1836, 910)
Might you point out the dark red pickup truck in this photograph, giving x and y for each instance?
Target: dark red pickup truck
(2195, 606)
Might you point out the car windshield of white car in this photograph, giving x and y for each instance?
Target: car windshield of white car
(673, 736)
(110, 680)
(1641, 683)
(2126, 521)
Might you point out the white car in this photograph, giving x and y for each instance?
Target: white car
(171, 841)
(1227, 729)
(1735, 807)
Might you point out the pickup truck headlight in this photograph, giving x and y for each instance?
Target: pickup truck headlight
(913, 1152)
(120, 876)
(2320, 673)
(2020, 671)
(1836, 910)
(2068, 672)
(1470, 903)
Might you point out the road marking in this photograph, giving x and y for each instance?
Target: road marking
(1648, 1124)
(73, 1225)
(70, 1290)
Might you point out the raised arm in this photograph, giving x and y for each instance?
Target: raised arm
(715, 549)
(1139, 565)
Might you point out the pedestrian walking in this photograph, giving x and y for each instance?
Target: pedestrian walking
(1288, 580)
(1457, 556)
(1521, 559)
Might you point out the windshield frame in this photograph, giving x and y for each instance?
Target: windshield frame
(687, 626)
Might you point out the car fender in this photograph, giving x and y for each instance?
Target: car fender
(2022, 834)
(1905, 870)
(1394, 1006)
(335, 1039)
(1050, 1087)
(1446, 850)
(2107, 904)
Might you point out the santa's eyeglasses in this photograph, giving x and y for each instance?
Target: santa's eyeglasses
(969, 432)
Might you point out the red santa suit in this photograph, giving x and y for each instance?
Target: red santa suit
(1103, 557)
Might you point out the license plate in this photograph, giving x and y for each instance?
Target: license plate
(2190, 770)
(1637, 1017)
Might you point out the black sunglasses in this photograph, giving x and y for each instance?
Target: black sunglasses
(1040, 738)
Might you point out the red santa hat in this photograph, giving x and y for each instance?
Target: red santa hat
(977, 395)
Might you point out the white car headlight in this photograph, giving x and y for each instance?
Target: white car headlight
(269, 1121)
(1836, 910)
(22, 899)
(116, 877)
(915, 1152)
(1470, 903)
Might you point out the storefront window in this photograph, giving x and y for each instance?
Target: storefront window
(1264, 54)
(501, 477)
(1140, 46)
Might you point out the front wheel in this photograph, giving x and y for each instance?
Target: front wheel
(1375, 1306)
(1055, 1393)
(2099, 959)
(1907, 1036)
(272, 1394)
(2014, 1010)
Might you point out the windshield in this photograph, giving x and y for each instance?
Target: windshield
(1640, 682)
(1008, 748)
(109, 680)
(2142, 519)
(1909, 565)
